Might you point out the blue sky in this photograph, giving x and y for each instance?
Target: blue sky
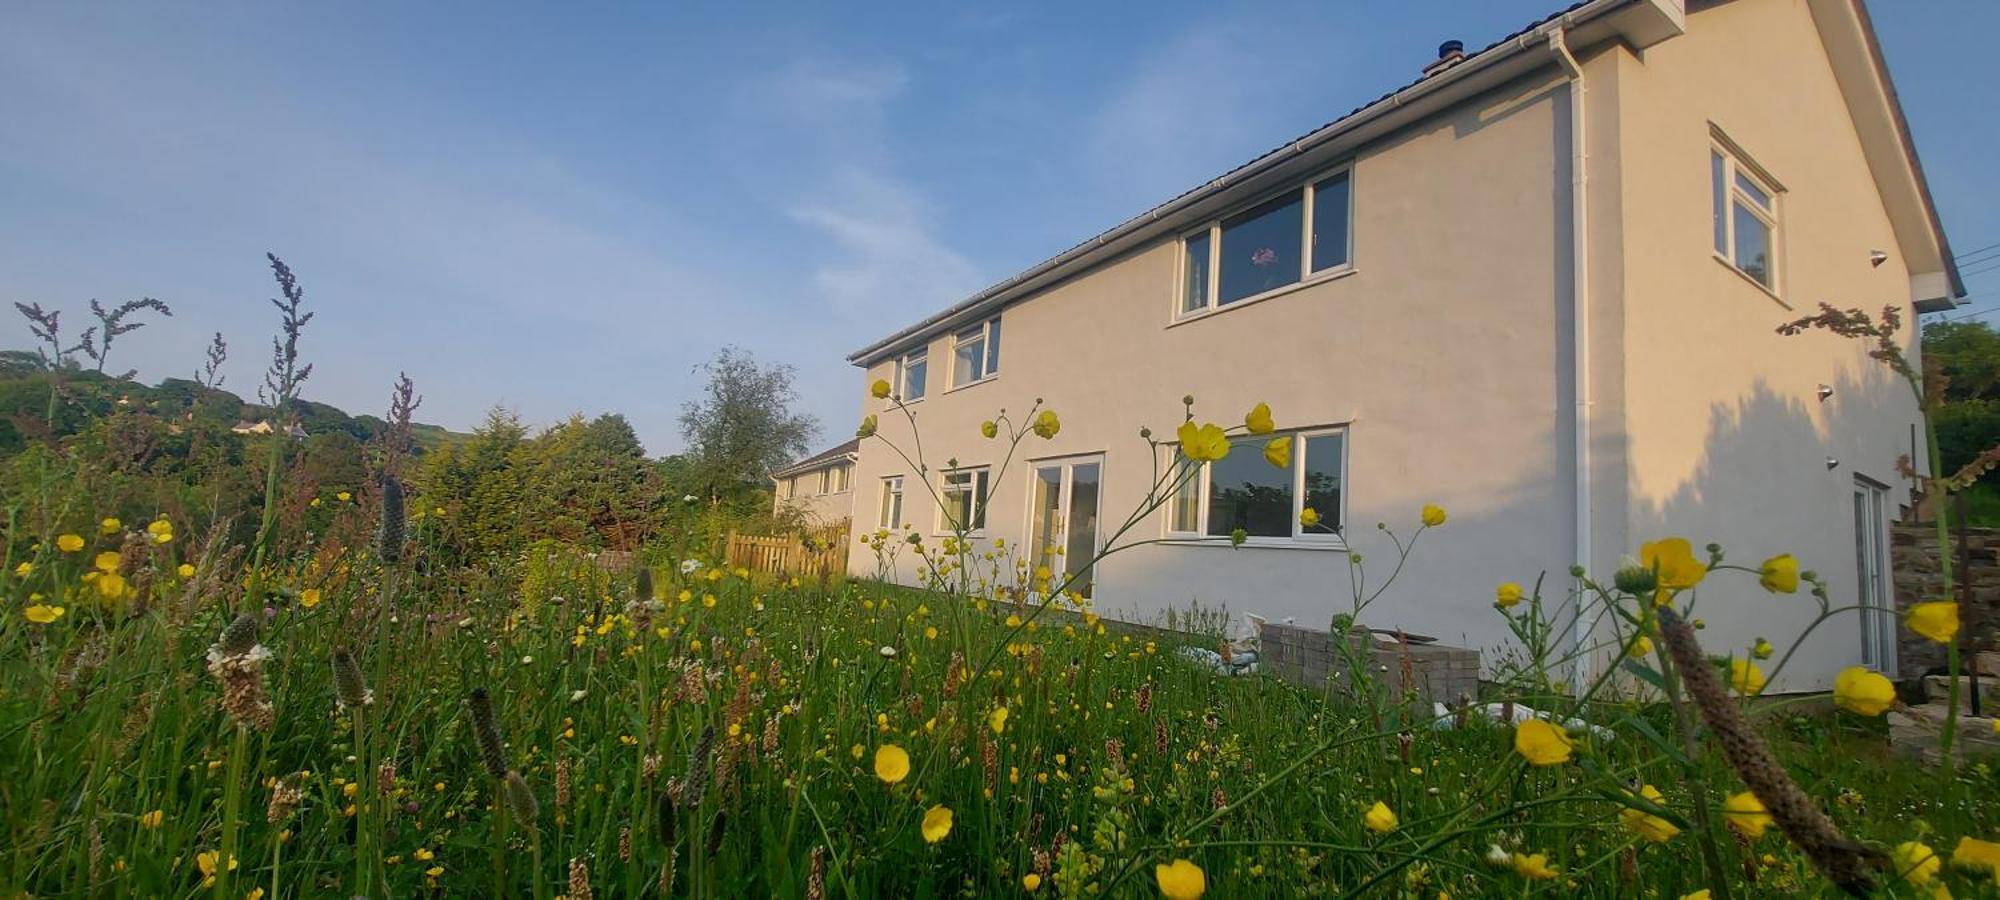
(565, 211)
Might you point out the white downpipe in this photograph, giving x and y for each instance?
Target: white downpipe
(1579, 217)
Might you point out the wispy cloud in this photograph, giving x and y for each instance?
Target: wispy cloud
(883, 260)
(891, 261)
(1209, 97)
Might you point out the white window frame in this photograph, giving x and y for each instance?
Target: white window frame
(900, 385)
(1307, 274)
(1734, 164)
(1299, 537)
(989, 352)
(976, 510)
(838, 476)
(890, 515)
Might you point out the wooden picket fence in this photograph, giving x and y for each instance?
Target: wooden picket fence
(819, 551)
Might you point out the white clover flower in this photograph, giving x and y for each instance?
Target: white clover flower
(578, 695)
(887, 652)
(690, 566)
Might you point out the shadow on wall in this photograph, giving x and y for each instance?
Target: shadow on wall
(1764, 486)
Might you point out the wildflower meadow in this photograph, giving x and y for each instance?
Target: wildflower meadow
(333, 693)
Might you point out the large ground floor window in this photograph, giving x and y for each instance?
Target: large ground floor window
(1245, 491)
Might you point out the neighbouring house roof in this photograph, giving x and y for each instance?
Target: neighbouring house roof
(1638, 22)
(822, 459)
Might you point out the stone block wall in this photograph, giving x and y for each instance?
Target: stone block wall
(1913, 559)
(1309, 657)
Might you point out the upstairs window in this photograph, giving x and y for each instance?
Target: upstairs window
(1245, 491)
(1744, 209)
(1282, 241)
(826, 481)
(839, 476)
(910, 372)
(964, 495)
(976, 353)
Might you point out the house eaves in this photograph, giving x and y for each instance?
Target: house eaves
(845, 452)
(1639, 23)
(1856, 57)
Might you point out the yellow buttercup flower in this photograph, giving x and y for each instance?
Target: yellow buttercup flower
(989, 429)
(69, 543)
(1936, 619)
(42, 613)
(1674, 561)
(1278, 452)
(1259, 419)
(24, 570)
(1380, 818)
(1308, 517)
(110, 585)
(1542, 743)
(1507, 595)
(1977, 855)
(892, 764)
(879, 390)
(1533, 865)
(997, 720)
(1779, 574)
(1641, 646)
(152, 819)
(1915, 862)
(1858, 690)
(1031, 882)
(110, 525)
(937, 824)
(1645, 824)
(1181, 880)
(1762, 649)
(867, 427)
(1696, 895)
(186, 570)
(1433, 515)
(1745, 813)
(107, 561)
(1046, 424)
(1745, 678)
(309, 598)
(159, 527)
(1202, 443)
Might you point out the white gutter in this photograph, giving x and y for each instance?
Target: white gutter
(1031, 279)
(1579, 242)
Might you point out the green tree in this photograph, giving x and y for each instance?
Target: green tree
(742, 428)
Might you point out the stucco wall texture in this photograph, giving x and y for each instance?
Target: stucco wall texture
(1446, 353)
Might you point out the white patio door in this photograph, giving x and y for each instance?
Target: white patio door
(1871, 555)
(1062, 520)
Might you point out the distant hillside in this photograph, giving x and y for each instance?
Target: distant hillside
(87, 395)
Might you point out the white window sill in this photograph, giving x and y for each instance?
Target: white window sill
(1731, 266)
(1257, 543)
(973, 383)
(1334, 274)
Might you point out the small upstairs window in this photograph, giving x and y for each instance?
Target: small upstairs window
(1744, 207)
(976, 353)
(910, 374)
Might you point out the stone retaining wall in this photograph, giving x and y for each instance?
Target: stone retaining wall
(1309, 657)
(1913, 558)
